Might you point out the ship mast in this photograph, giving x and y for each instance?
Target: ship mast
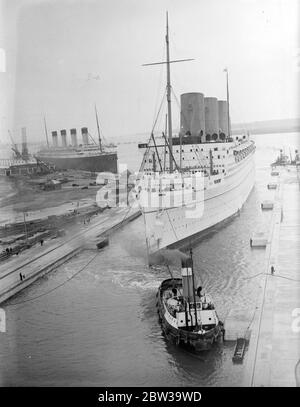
(169, 100)
(46, 131)
(98, 129)
(193, 282)
(227, 95)
(169, 88)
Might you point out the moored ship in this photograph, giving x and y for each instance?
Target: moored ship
(81, 156)
(193, 181)
(284, 160)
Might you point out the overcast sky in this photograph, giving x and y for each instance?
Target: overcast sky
(64, 56)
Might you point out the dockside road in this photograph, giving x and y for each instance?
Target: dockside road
(21, 271)
(274, 349)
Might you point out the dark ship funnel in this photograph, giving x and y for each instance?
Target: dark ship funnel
(63, 134)
(74, 137)
(85, 135)
(54, 138)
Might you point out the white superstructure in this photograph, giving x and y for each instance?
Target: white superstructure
(213, 183)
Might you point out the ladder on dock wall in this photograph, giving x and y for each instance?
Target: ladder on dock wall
(239, 351)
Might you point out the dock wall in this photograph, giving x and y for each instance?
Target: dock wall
(57, 253)
(274, 350)
(33, 274)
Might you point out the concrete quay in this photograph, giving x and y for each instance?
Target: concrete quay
(37, 261)
(273, 355)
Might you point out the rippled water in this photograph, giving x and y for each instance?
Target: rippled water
(101, 327)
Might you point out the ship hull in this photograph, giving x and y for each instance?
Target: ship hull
(219, 204)
(102, 163)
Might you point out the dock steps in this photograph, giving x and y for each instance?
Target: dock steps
(267, 205)
(259, 239)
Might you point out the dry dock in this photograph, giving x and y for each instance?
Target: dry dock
(274, 348)
(37, 261)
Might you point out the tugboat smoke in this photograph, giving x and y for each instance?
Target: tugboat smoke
(167, 257)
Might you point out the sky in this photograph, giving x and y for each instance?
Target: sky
(62, 57)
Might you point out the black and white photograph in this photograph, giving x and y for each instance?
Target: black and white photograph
(149, 196)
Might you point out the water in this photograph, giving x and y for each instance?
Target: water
(101, 328)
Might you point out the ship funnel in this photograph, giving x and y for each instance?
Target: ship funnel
(85, 135)
(223, 119)
(24, 144)
(211, 119)
(63, 134)
(54, 138)
(187, 279)
(192, 120)
(74, 137)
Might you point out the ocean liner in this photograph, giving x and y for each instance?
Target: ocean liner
(86, 156)
(190, 182)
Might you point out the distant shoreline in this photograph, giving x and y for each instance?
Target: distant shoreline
(266, 130)
(256, 127)
(268, 126)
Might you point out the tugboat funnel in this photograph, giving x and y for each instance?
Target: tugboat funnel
(187, 279)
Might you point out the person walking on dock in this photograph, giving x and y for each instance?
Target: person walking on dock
(21, 277)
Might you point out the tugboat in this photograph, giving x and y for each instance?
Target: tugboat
(188, 316)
